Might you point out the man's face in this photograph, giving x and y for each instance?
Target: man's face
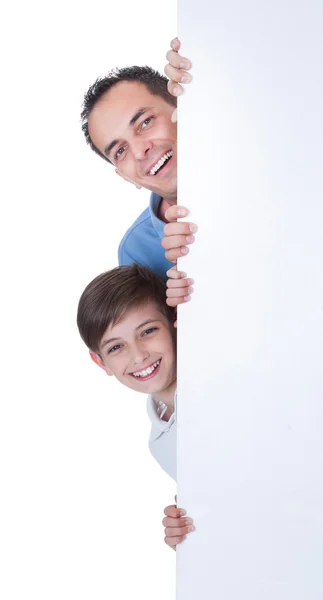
(139, 350)
(133, 128)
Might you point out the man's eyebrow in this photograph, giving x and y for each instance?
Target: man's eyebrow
(137, 115)
(119, 338)
(132, 121)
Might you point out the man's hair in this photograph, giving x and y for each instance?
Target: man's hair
(109, 296)
(154, 82)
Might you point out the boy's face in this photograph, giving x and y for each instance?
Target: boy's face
(139, 350)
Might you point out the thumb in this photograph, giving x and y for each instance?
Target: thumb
(175, 212)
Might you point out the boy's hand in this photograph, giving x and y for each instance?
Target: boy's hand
(176, 69)
(177, 235)
(179, 287)
(176, 525)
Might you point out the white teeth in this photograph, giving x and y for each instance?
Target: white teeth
(161, 161)
(147, 371)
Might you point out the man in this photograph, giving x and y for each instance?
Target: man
(129, 119)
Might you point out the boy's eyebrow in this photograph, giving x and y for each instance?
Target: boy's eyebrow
(138, 327)
(132, 121)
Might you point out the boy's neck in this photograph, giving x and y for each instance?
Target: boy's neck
(167, 396)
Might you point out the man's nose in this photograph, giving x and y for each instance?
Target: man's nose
(141, 148)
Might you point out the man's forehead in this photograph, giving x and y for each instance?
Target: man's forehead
(127, 93)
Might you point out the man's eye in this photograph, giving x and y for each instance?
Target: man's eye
(146, 122)
(119, 152)
(150, 330)
(114, 348)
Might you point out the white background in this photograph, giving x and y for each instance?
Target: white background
(250, 379)
(81, 498)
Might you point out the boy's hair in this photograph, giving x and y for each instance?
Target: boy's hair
(110, 295)
(154, 82)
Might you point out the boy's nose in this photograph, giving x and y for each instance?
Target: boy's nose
(140, 356)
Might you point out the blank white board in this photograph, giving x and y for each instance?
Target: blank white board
(250, 394)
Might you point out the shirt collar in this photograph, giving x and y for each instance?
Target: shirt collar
(158, 224)
(156, 421)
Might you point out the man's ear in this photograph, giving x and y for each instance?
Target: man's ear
(98, 361)
(129, 180)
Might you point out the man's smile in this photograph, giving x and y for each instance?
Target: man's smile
(156, 166)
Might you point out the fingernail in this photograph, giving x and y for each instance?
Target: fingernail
(190, 281)
(191, 528)
(183, 275)
(185, 64)
(190, 239)
(188, 521)
(193, 228)
(182, 212)
(190, 290)
(182, 513)
(177, 91)
(185, 79)
(187, 298)
(184, 250)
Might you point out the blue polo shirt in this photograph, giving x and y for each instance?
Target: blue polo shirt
(142, 242)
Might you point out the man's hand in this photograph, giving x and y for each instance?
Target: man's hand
(177, 235)
(179, 287)
(177, 71)
(177, 526)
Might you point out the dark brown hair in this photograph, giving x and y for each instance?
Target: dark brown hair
(108, 297)
(155, 83)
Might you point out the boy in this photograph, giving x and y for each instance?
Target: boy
(129, 329)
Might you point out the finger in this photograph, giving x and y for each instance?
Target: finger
(174, 274)
(175, 324)
(176, 212)
(175, 44)
(177, 61)
(172, 532)
(172, 302)
(174, 88)
(176, 241)
(178, 75)
(180, 228)
(174, 116)
(172, 542)
(179, 283)
(179, 292)
(173, 511)
(174, 254)
(182, 522)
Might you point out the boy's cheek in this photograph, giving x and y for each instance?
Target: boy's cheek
(98, 361)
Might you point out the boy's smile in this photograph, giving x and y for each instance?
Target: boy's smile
(149, 371)
(139, 350)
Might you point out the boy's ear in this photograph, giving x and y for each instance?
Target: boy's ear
(129, 180)
(98, 361)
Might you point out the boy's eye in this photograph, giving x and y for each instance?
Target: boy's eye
(114, 348)
(150, 330)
